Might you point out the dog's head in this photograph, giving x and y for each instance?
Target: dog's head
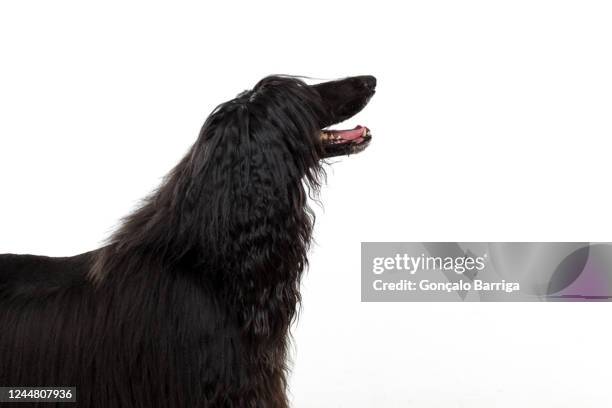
(280, 131)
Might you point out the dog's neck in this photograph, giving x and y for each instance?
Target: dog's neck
(249, 232)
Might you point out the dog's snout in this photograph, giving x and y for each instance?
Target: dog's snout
(368, 82)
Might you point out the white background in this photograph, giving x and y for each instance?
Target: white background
(491, 122)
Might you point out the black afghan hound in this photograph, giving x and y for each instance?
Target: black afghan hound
(190, 302)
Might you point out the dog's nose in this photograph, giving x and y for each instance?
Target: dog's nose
(368, 82)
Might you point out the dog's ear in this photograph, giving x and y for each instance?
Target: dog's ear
(241, 175)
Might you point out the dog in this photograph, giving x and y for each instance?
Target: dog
(189, 303)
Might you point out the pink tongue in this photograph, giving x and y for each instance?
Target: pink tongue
(351, 134)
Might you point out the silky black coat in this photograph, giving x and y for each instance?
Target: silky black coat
(189, 303)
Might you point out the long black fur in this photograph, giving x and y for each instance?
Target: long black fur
(190, 302)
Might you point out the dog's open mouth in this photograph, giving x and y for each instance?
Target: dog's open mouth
(342, 142)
